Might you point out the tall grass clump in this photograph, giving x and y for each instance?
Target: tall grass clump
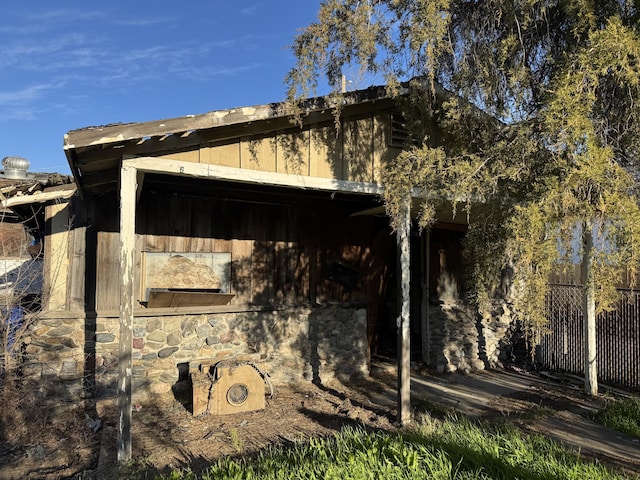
(451, 449)
(622, 415)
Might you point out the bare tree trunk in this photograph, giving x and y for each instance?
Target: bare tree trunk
(589, 312)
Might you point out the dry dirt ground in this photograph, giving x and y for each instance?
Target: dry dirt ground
(167, 436)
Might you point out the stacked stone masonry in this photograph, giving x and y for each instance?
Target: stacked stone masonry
(290, 345)
(462, 339)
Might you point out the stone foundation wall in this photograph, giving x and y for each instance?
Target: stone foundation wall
(290, 345)
(53, 357)
(462, 339)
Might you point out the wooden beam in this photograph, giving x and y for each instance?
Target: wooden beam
(128, 189)
(403, 325)
(425, 326)
(39, 197)
(189, 169)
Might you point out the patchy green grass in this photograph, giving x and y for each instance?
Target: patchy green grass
(622, 415)
(422, 403)
(435, 449)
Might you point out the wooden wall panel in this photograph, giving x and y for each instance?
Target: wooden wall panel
(108, 273)
(155, 221)
(258, 153)
(188, 156)
(57, 253)
(179, 223)
(358, 149)
(242, 271)
(325, 152)
(354, 152)
(280, 253)
(77, 263)
(382, 152)
(201, 217)
(227, 155)
(293, 153)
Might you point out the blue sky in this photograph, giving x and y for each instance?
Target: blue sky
(69, 64)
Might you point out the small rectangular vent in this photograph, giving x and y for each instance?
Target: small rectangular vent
(399, 135)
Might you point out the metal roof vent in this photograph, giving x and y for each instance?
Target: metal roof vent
(15, 167)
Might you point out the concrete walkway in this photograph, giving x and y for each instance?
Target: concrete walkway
(473, 395)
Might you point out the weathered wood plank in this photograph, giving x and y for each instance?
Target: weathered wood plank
(108, 288)
(76, 284)
(301, 271)
(258, 153)
(292, 154)
(57, 253)
(133, 131)
(179, 223)
(243, 175)
(382, 152)
(425, 324)
(166, 299)
(201, 218)
(157, 224)
(227, 154)
(186, 156)
(359, 150)
(241, 270)
(325, 152)
(403, 321)
(128, 193)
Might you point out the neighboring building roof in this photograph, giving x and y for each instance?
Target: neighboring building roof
(19, 197)
(39, 185)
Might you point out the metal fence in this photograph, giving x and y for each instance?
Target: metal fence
(618, 337)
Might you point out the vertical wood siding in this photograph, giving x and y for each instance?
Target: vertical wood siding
(280, 252)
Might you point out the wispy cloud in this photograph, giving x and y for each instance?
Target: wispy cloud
(57, 16)
(20, 104)
(103, 58)
(24, 95)
(251, 9)
(36, 54)
(146, 22)
(21, 29)
(209, 71)
(24, 112)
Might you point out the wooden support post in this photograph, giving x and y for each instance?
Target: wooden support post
(128, 188)
(404, 341)
(589, 313)
(425, 325)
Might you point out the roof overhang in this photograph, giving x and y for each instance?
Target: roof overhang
(95, 153)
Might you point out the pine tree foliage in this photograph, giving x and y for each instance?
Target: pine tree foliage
(537, 107)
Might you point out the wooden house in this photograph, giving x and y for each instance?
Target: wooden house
(242, 234)
(239, 232)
